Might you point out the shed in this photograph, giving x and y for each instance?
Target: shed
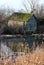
(35, 25)
(31, 25)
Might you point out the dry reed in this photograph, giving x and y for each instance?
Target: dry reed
(34, 58)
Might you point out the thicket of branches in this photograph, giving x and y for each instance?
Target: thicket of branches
(34, 6)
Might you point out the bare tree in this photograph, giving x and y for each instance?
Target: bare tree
(32, 4)
(9, 11)
(4, 15)
(35, 7)
(41, 10)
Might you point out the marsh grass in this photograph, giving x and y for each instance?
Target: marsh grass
(36, 57)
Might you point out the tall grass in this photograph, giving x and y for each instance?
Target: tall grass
(36, 57)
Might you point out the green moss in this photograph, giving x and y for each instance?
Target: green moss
(20, 16)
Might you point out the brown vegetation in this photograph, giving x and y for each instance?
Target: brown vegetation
(34, 58)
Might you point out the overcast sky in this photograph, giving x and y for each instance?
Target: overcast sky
(16, 4)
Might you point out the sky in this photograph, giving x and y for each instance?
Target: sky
(14, 4)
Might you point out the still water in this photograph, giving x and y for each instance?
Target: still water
(6, 50)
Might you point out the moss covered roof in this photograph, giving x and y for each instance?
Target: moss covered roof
(20, 17)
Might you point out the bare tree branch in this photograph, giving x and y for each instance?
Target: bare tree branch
(32, 3)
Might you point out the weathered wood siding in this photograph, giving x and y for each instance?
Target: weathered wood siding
(31, 25)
